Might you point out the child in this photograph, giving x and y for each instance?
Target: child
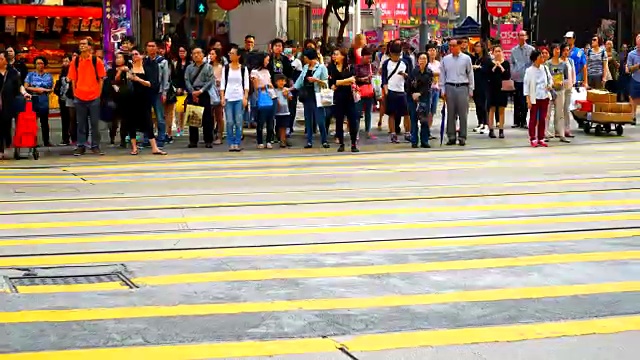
(283, 116)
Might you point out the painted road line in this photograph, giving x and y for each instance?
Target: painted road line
(358, 343)
(609, 180)
(43, 289)
(327, 214)
(161, 207)
(336, 272)
(334, 248)
(119, 313)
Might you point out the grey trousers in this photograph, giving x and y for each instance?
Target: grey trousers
(88, 114)
(457, 108)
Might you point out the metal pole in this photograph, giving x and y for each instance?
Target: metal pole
(424, 28)
(498, 29)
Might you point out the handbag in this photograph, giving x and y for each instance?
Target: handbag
(264, 99)
(324, 98)
(214, 95)
(366, 90)
(357, 96)
(194, 115)
(508, 85)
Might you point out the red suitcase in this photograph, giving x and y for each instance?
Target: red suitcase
(26, 136)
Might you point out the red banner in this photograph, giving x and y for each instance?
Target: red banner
(394, 9)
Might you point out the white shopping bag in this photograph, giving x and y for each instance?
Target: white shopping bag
(577, 94)
(324, 98)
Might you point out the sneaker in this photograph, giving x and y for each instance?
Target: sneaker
(534, 143)
(269, 146)
(326, 145)
(354, 149)
(170, 140)
(407, 137)
(308, 146)
(483, 130)
(565, 140)
(80, 151)
(260, 146)
(395, 139)
(477, 128)
(217, 141)
(97, 151)
(543, 144)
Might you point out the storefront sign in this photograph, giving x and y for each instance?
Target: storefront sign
(394, 9)
(10, 24)
(117, 21)
(372, 37)
(508, 37)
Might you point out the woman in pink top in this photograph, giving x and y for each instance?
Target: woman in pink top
(261, 78)
(434, 66)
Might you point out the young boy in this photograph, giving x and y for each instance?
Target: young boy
(394, 73)
(283, 115)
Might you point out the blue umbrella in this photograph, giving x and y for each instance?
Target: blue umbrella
(444, 103)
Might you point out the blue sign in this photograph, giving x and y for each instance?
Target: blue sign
(517, 7)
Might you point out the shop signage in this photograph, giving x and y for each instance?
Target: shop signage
(115, 25)
(394, 9)
(499, 8)
(10, 24)
(508, 37)
(372, 37)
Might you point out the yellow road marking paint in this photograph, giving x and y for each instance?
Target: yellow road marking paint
(302, 249)
(294, 202)
(330, 214)
(320, 230)
(361, 343)
(609, 180)
(47, 289)
(91, 314)
(345, 271)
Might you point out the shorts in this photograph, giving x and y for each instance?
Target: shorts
(634, 89)
(396, 103)
(283, 121)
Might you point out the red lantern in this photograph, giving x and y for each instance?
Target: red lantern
(228, 5)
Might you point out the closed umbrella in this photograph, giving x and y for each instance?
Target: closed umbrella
(442, 123)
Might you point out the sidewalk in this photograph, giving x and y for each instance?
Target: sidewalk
(514, 138)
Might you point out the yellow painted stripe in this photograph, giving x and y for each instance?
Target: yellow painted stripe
(347, 271)
(361, 343)
(47, 289)
(91, 314)
(299, 202)
(607, 180)
(301, 249)
(335, 213)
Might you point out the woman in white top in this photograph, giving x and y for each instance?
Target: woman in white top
(261, 80)
(537, 84)
(568, 87)
(234, 97)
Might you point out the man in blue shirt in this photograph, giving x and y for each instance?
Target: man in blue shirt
(633, 67)
(578, 56)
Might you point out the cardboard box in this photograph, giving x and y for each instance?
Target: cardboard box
(601, 96)
(613, 118)
(624, 108)
(605, 108)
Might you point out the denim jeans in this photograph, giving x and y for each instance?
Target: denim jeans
(158, 108)
(421, 118)
(234, 113)
(88, 111)
(366, 105)
(251, 113)
(435, 96)
(314, 113)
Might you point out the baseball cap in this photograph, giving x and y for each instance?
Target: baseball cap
(569, 35)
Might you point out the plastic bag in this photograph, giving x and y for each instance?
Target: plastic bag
(577, 94)
(377, 86)
(324, 98)
(194, 115)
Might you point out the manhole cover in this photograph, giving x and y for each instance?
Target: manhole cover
(46, 284)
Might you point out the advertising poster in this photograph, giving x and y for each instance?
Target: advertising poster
(508, 37)
(116, 24)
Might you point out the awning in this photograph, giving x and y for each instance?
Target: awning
(51, 11)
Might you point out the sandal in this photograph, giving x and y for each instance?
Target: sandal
(160, 153)
(134, 152)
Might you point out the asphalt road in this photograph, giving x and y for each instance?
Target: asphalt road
(501, 253)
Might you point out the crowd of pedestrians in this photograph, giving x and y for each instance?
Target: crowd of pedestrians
(146, 91)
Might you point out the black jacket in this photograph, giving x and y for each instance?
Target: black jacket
(420, 82)
(21, 67)
(152, 69)
(286, 70)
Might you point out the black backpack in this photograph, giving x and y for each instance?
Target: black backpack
(94, 61)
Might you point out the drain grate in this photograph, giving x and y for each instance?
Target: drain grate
(88, 280)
